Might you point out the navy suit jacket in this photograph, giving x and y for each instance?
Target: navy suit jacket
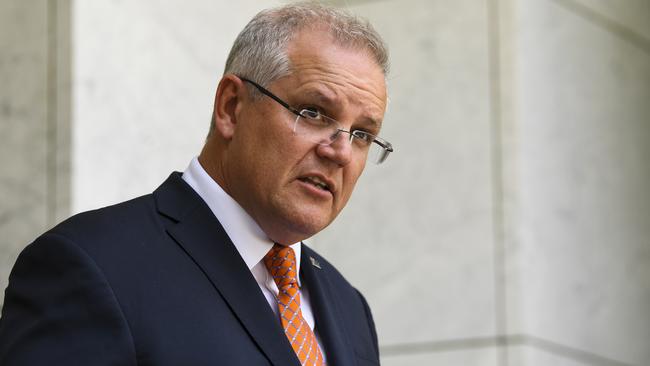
(156, 281)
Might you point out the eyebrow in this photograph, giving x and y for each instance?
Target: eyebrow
(329, 101)
(373, 123)
(320, 96)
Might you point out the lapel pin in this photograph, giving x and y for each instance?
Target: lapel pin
(314, 262)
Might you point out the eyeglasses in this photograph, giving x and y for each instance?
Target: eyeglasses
(316, 127)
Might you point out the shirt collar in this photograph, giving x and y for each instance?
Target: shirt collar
(247, 236)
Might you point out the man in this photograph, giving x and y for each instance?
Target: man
(204, 271)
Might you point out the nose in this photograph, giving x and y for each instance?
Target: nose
(339, 151)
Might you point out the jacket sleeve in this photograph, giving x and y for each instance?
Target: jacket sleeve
(60, 310)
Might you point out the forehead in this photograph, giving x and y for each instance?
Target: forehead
(325, 69)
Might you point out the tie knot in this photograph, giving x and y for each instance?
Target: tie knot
(281, 264)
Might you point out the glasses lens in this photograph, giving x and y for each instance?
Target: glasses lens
(377, 153)
(315, 127)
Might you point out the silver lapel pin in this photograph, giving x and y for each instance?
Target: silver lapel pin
(314, 262)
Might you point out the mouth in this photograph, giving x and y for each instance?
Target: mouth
(317, 182)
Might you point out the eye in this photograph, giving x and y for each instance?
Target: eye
(312, 117)
(363, 137)
(311, 113)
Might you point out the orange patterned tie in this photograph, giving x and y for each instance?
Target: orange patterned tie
(281, 263)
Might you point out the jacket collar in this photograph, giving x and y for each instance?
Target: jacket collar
(195, 228)
(326, 308)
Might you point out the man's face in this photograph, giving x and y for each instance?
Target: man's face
(272, 172)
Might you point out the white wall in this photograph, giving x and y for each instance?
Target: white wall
(145, 74)
(583, 84)
(509, 227)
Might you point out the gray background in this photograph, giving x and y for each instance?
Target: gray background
(511, 226)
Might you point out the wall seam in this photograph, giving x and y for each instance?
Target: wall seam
(626, 34)
(51, 122)
(498, 235)
(472, 343)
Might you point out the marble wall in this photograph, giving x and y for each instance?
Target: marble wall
(583, 84)
(144, 78)
(510, 226)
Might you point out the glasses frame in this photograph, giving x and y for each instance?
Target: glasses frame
(385, 145)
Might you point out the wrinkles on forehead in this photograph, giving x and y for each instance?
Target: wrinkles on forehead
(335, 83)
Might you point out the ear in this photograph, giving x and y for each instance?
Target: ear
(227, 104)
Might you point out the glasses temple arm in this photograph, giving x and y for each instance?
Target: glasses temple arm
(271, 95)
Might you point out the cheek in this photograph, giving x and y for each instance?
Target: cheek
(274, 158)
(350, 178)
(263, 143)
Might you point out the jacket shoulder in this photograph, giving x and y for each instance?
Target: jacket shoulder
(124, 219)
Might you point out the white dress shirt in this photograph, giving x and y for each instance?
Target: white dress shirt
(249, 239)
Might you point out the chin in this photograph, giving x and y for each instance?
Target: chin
(300, 226)
(290, 220)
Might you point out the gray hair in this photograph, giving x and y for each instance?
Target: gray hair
(259, 52)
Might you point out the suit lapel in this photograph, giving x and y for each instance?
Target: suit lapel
(327, 313)
(199, 233)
